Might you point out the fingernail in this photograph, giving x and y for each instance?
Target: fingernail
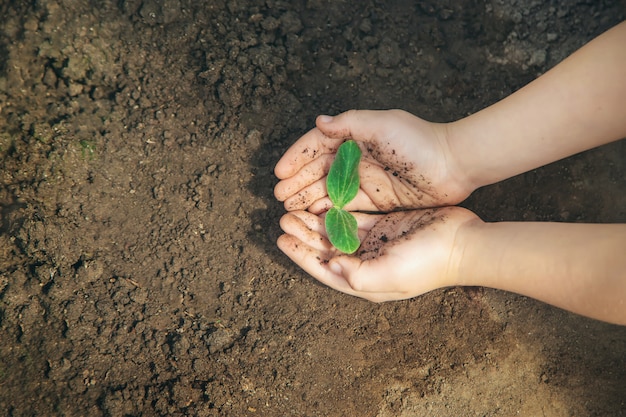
(326, 119)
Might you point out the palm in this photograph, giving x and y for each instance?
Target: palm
(406, 164)
(396, 173)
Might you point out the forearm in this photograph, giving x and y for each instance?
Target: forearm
(578, 267)
(577, 105)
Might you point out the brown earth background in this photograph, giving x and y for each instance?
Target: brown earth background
(138, 269)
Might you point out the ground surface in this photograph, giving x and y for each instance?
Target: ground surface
(138, 271)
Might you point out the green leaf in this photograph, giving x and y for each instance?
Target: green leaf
(342, 182)
(342, 230)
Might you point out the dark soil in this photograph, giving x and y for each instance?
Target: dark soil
(138, 270)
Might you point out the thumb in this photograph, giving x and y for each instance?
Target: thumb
(348, 267)
(360, 125)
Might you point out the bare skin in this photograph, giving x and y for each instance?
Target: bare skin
(410, 163)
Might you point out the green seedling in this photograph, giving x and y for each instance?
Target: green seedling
(342, 184)
(87, 147)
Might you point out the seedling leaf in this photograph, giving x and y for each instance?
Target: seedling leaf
(342, 230)
(342, 182)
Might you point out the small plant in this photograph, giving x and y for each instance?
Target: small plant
(87, 148)
(342, 184)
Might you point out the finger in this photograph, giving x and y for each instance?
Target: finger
(377, 184)
(308, 229)
(312, 221)
(344, 266)
(313, 261)
(320, 206)
(361, 125)
(307, 196)
(309, 147)
(306, 176)
(367, 221)
(366, 277)
(361, 202)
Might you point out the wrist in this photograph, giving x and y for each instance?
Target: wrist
(464, 259)
(462, 165)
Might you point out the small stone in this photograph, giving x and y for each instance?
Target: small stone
(32, 25)
(389, 53)
(220, 340)
(75, 89)
(50, 78)
(365, 26)
(538, 58)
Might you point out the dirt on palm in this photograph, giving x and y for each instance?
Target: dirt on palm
(138, 268)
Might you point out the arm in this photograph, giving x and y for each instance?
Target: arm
(413, 163)
(578, 267)
(577, 105)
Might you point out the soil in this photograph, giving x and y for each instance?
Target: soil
(138, 268)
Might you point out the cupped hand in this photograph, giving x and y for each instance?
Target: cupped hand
(407, 163)
(402, 254)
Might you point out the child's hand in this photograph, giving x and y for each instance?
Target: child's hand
(406, 164)
(402, 255)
